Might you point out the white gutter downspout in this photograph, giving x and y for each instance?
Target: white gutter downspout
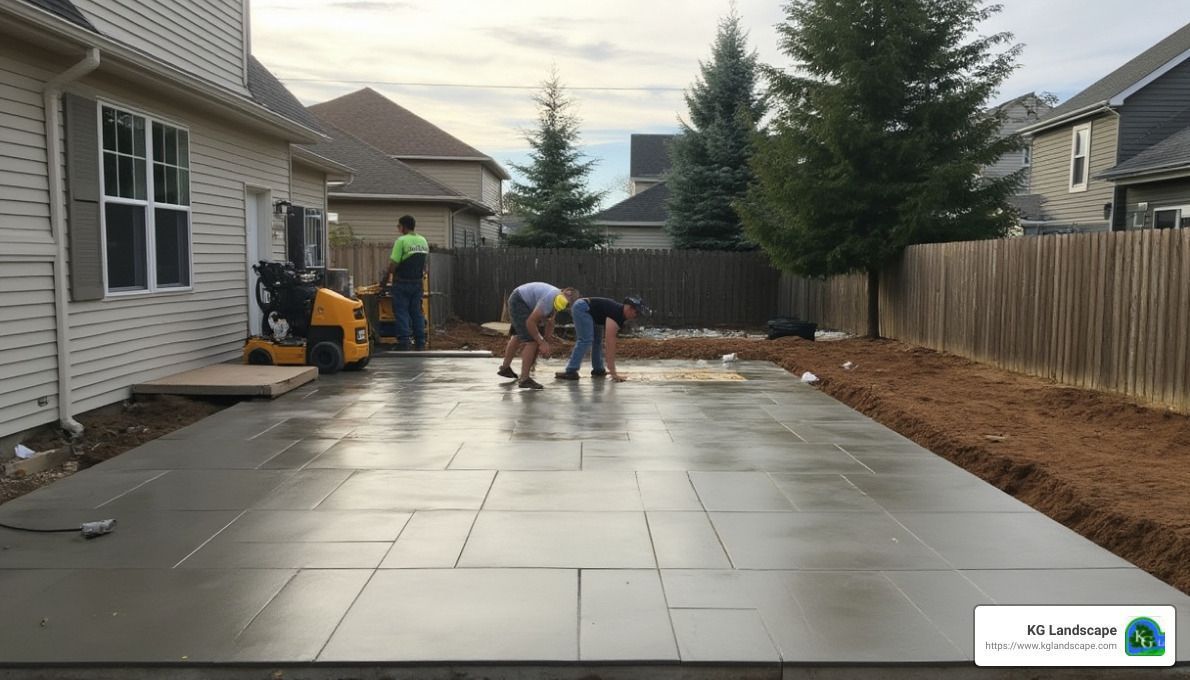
(52, 96)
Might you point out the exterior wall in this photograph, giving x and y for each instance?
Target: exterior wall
(1017, 116)
(204, 38)
(466, 230)
(489, 231)
(24, 187)
(653, 238)
(1152, 108)
(29, 362)
(492, 190)
(376, 221)
(309, 187)
(465, 177)
(1158, 195)
(119, 341)
(639, 185)
(1051, 173)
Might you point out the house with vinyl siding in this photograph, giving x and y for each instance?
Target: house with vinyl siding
(428, 150)
(639, 220)
(129, 258)
(1116, 155)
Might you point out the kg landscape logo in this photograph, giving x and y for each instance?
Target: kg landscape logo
(1143, 637)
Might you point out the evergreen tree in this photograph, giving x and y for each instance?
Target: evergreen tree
(879, 136)
(553, 199)
(710, 169)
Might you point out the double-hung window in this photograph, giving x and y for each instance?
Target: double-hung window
(146, 202)
(1080, 145)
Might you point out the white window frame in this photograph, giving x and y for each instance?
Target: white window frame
(1086, 156)
(1181, 212)
(150, 205)
(315, 218)
(1027, 155)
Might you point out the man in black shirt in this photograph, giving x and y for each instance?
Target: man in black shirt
(596, 322)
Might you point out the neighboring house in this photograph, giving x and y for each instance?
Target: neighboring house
(648, 161)
(1016, 114)
(639, 220)
(370, 117)
(1115, 156)
(129, 260)
(382, 189)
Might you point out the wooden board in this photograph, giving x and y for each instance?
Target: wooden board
(231, 380)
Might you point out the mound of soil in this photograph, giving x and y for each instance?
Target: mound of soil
(1115, 471)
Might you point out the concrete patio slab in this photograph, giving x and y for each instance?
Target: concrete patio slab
(425, 518)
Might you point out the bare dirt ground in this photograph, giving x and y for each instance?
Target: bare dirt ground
(1114, 471)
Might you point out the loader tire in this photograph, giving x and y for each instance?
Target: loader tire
(327, 356)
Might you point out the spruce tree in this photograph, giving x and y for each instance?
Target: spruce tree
(553, 199)
(710, 168)
(880, 135)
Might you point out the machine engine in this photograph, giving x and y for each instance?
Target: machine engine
(286, 298)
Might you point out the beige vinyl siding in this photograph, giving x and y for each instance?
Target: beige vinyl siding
(119, 341)
(654, 238)
(491, 190)
(489, 231)
(205, 39)
(24, 188)
(465, 177)
(29, 362)
(309, 187)
(1051, 172)
(376, 221)
(466, 230)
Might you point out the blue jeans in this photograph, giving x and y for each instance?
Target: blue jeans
(590, 337)
(407, 311)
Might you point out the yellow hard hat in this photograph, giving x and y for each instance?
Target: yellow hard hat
(560, 302)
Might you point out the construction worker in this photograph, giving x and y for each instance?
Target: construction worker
(596, 322)
(407, 266)
(531, 306)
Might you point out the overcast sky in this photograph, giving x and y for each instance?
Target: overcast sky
(472, 66)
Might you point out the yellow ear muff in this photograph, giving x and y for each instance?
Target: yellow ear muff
(560, 302)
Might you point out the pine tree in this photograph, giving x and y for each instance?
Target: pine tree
(879, 136)
(710, 168)
(553, 199)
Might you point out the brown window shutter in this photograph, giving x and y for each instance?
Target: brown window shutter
(82, 197)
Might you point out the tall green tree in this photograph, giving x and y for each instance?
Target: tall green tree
(553, 198)
(879, 136)
(710, 169)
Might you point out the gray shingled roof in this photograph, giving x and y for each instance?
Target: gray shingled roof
(66, 10)
(395, 130)
(271, 94)
(649, 155)
(1126, 76)
(646, 207)
(377, 173)
(1170, 153)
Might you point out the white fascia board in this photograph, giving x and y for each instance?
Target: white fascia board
(1065, 118)
(611, 223)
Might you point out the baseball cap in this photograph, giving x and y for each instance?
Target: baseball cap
(635, 302)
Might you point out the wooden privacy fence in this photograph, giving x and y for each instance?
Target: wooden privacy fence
(683, 287)
(1108, 311)
(366, 261)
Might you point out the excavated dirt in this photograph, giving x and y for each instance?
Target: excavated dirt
(1114, 471)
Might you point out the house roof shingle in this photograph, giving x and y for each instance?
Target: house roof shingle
(649, 155)
(271, 94)
(1120, 80)
(1172, 152)
(647, 207)
(378, 174)
(395, 130)
(66, 10)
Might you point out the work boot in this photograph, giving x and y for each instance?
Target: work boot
(530, 384)
(507, 372)
(404, 347)
(599, 373)
(419, 348)
(566, 375)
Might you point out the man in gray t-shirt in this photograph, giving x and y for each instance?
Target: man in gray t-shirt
(529, 307)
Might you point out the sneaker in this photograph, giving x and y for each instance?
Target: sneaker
(507, 372)
(566, 375)
(601, 373)
(530, 384)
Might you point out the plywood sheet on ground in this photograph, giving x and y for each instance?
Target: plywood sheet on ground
(231, 380)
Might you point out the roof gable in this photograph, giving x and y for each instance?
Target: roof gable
(649, 156)
(395, 130)
(1119, 84)
(647, 207)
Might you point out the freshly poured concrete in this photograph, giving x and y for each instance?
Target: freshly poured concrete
(425, 517)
